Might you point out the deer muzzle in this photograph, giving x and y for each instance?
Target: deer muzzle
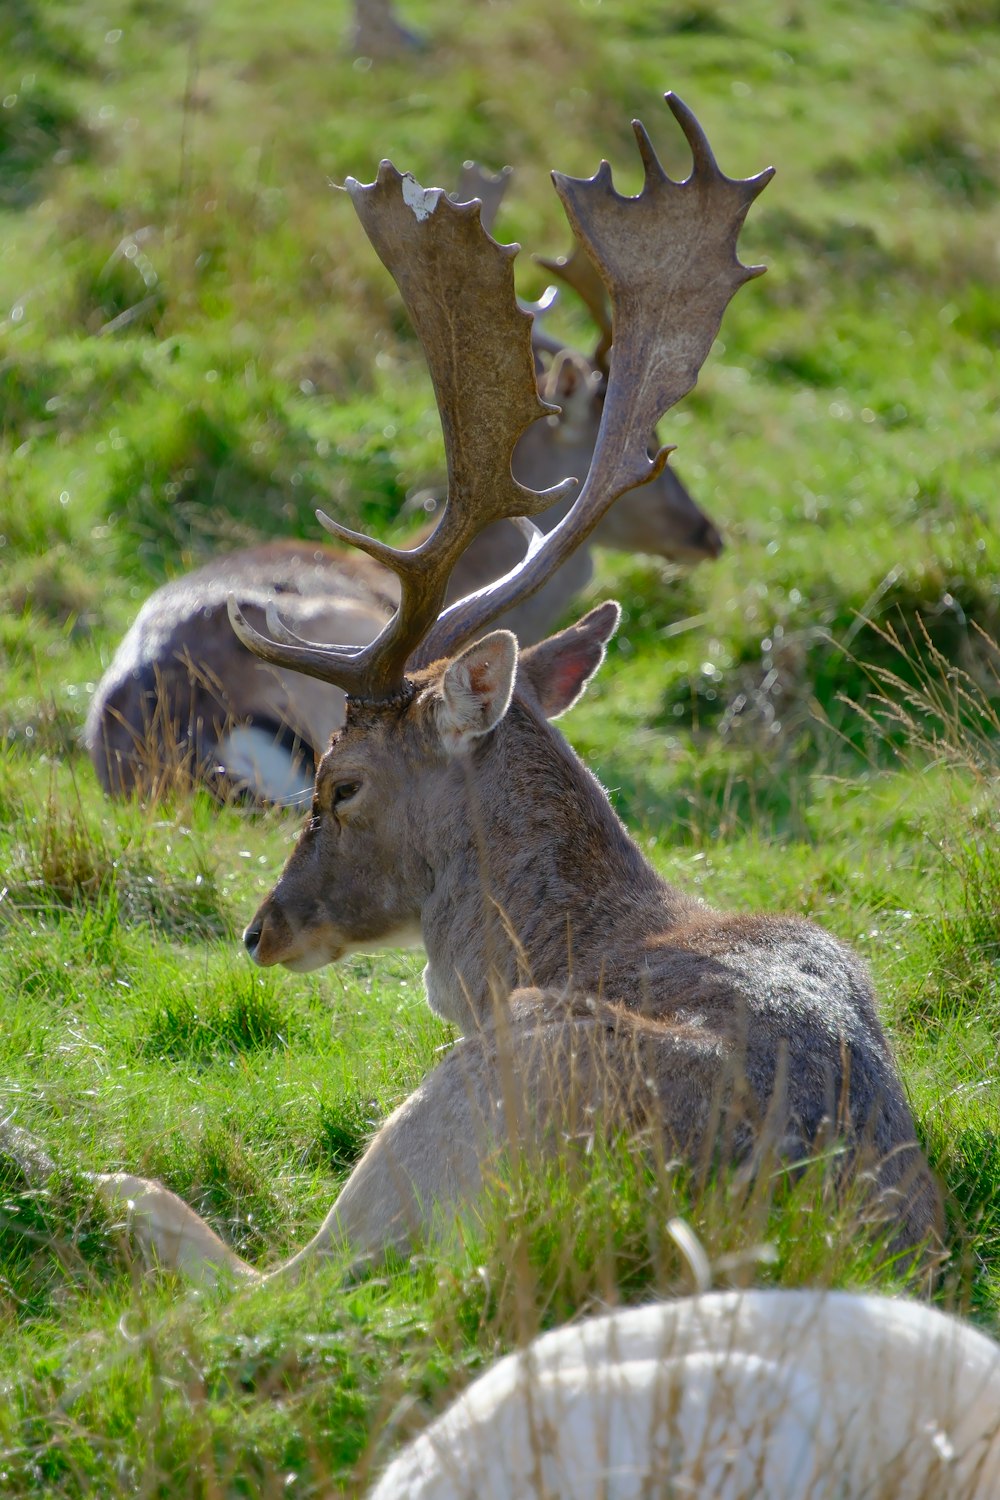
(269, 938)
(272, 939)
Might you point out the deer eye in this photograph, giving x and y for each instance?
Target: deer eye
(343, 791)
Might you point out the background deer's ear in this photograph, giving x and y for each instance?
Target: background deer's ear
(476, 689)
(558, 670)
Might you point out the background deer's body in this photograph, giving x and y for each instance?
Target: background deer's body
(788, 1395)
(178, 685)
(183, 695)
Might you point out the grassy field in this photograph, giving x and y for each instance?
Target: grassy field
(197, 347)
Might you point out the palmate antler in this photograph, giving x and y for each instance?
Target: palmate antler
(668, 260)
(458, 287)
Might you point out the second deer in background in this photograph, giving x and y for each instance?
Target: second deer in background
(182, 697)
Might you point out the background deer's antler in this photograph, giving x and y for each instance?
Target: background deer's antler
(578, 272)
(474, 181)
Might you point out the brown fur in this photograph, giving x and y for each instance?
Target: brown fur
(590, 992)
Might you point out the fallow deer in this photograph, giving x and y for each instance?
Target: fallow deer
(182, 697)
(788, 1395)
(588, 991)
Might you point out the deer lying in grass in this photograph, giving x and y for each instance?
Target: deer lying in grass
(182, 696)
(788, 1395)
(589, 992)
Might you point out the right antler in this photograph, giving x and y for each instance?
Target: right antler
(668, 260)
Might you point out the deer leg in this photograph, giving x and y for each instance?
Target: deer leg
(424, 1166)
(168, 1232)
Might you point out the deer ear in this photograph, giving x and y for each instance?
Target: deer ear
(476, 689)
(559, 669)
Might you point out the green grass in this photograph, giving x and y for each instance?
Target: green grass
(197, 347)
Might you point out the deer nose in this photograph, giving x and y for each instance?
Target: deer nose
(251, 937)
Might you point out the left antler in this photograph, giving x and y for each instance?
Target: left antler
(458, 287)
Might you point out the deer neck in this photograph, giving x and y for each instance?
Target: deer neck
(535, 880)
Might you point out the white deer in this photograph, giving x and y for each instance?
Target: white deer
(757, 1395)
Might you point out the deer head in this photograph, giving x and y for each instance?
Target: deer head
(398, 784)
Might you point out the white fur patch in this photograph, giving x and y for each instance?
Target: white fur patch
(250, 757)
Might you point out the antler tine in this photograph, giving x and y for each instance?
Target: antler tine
(288, 650)
(478, 350)
(668, 259)
(489, 187)
(580, 274)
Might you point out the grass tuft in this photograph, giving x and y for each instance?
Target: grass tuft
(940, 149)
(37, 126)
(55, 1236)
(345, 1127)
(240, 1017)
